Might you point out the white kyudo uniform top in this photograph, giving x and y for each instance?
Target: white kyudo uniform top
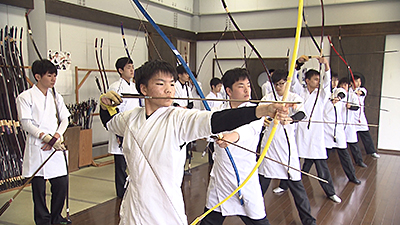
(121, 86)
(335, 114)
(266, 88)
(40, 110)
(279, 149)
(154, 195)
(195, 94)
(349, 126)
(311, 142)
(182, 91)
(214, 104)
(360, 117)
(223, 179)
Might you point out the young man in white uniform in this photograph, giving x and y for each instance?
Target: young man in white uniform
(310, 140)
(152, 139)
(215, 93)
(125, 84)
(335, 136)
(360, 118)
(182, 89)
(223, 180)
(266, 88)
(216, 85)
(284, 149)
(38, 108)
(195, 93)
(350, 113)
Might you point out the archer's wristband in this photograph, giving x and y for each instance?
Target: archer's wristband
(52, 141)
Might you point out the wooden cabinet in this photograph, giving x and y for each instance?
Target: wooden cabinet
(79, 145)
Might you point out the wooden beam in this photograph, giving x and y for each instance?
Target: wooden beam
(370, 29)
(69, 10)
(27, 4)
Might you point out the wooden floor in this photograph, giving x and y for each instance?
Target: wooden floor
(375, 201)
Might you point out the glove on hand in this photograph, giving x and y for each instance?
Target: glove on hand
(300, 61)
(54, 142)
(109, 101)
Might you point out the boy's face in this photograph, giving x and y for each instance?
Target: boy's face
(345, 86)
(313, 82)
(48, 80)
(241, 90)
(183, 77)
(280, 87)
(160, 85)
(335, 82)
(358, 82)
(128, 72)
(217, 88)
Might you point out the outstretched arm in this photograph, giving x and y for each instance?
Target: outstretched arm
(231, 119)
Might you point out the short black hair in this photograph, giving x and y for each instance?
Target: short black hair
(234, 75)
(215, 81)
(144, 73)
(42, 66)
(356, 77)
(344, 80)
(122, 62)
(279, 75)
(311, 73)
(335, 75)
(361, 76)
(180, 69)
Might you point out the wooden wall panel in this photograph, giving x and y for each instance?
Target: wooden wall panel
(27, 4)
(364, 55)
(158, 46)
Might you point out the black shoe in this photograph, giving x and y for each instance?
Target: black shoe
(64, 221)
(356, 181)
(362, 164)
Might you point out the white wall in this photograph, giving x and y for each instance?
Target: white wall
(268, 48)
(355, 13)
(389, 122)
(215, 7)
(161, 14)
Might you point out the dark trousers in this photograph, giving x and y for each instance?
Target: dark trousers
(356, 152)
(346, 162)
(366, 139)
(307, 165)
(120, 174)
(58, 189)
(323, 172)
(215, 218)
(299, 195)
(210, 153)
(284, 184)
